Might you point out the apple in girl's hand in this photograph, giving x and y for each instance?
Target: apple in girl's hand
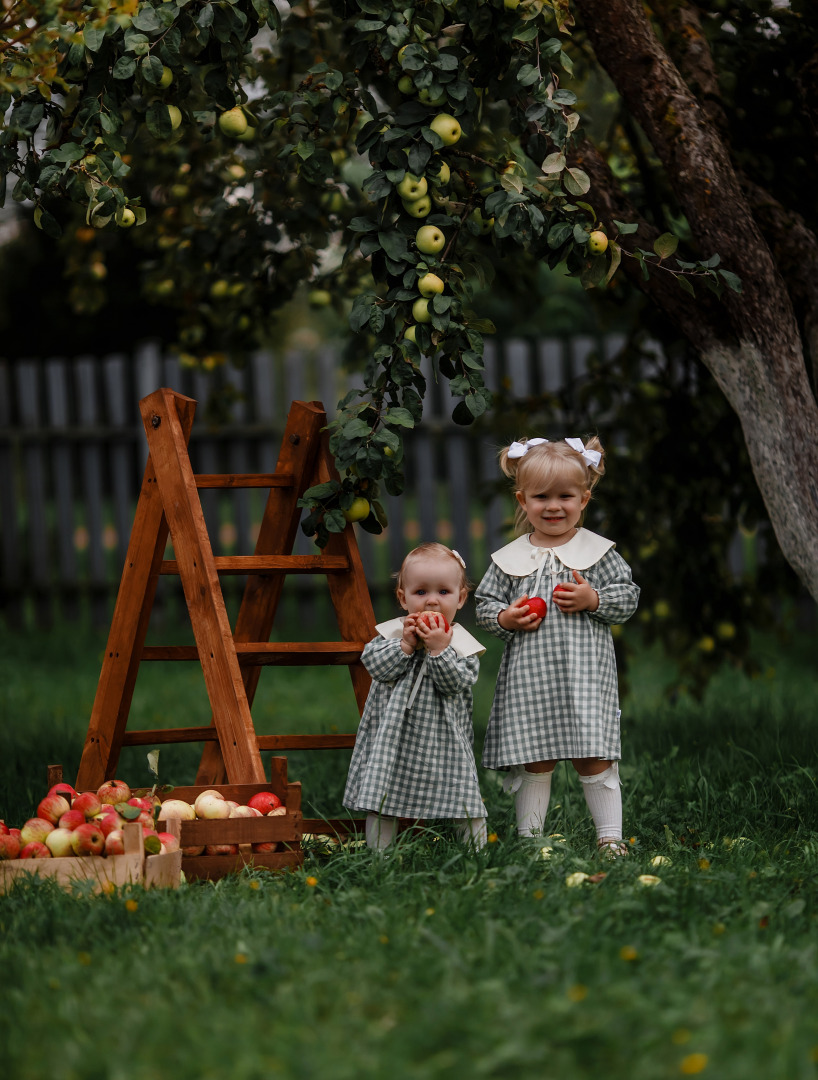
(52, 808)
(113, 792)
(88, 802)
(561, 586)
(60, 843)
(9, 847)
(537, 606)
(430, 619)
(35, 830)
(35, 850)
(264, 801)
(87, 839)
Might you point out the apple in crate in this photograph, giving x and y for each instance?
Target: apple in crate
(4, 829)
(35, 850)
(88, 802)
(265, 847)
(245, 812)
(9, 847)
(60, 843)
(63, 789)
(115, 843)
(71, 819)
(88, 839)
(52, 808)
(177, 808)
(108, 821)
(211, 805)
(35, 830)
(191, 852)
(151, 841)
(264, 801)
(221, 849)
(168, 841)
(113, 792)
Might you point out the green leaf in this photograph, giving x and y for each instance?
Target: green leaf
(153, 762)
(356, 429)
(399, 418)
(152, 69)
(731, 280)
(93, 37)
(576, 182)
(686, 284)
(626, 227)
(665, 245)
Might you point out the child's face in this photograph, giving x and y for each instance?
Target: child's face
(554, 513)
(432, 584)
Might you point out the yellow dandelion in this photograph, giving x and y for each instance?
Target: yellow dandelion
(492, 838)
(430, 911)
(255, 885)
(312, 882)
(109, 888)
(240, 958)
(573, 880)
(578, 992)
(545, 853)
(680, 1036)
(84, 958)
(704, 864)
(538, 894)
(661, 860)
(693, 1064)
(131, 905)
(718, 929)
(649, 880)
(813, 1054)
(384, 940)
(632, 840)
(629, 953)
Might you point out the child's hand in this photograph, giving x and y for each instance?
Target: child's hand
(518, 617)
(409, 641)
(576, 596)
(433, 631)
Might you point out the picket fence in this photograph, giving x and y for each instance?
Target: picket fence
(72, 454)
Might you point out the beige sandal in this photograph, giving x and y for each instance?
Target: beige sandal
(611, 848)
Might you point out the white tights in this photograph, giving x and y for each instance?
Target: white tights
(380, 831)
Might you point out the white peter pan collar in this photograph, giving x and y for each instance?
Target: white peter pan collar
(462, 642)
(521, 558)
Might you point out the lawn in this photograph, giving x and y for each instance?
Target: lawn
(434, 962)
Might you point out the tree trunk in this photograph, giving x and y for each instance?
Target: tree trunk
(753, 346)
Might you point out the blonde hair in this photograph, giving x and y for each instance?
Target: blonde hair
(549, 462)
(433, 550)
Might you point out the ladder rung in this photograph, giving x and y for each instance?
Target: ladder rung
(270, 564)
(243, 480)
(266, 653)
(171, 735)
(306, 742)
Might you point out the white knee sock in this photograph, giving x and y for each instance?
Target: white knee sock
(472, 831)
(531, 802)
(380, 831)
(604, 798)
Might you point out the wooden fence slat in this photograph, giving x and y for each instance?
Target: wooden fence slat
(93, 484)
(62, 466)
(35, 491)
(11, 578)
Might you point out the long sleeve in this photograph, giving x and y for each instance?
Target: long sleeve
(492, 596)
(452, 674)
(385, 660)
(618, 595)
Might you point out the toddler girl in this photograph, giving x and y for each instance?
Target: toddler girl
(414, 755)
(556, 695)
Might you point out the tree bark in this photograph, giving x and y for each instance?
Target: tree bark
(756, 354)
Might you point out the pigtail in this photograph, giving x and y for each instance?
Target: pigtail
(595, 472)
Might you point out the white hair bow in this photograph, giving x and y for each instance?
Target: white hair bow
(591, 457)
(520, 449)
(459, 557)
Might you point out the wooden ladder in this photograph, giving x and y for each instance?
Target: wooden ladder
(231, 661)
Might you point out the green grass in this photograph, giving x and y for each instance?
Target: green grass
(436, 963)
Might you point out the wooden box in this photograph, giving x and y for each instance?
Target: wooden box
(108, 872)
(284, 830)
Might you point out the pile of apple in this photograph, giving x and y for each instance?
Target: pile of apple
(71, 823)
(211, 805)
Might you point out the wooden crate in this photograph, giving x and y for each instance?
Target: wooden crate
(106, 873)
(285, 830)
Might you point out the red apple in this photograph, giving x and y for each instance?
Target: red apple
(191, 852)
(71, 819)
(245, 812)
(113, 792)
(88, 802)
(63, 789)
(278, 811)
(35, 850)
(87, 839)
(17, 836)
(52, 808)
(561, 586)
(221, 849)
(35, 829)
(141, 803)
(4, 829)
(168, 841)
(108, 823)
(115, 843)
(537, 606)
(430, 618)
(9, 847)
(151, 841)
(264, 801)
(60, 843)
(265, 847)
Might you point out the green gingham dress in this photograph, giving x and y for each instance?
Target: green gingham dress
(557, 695)
(417, 762)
